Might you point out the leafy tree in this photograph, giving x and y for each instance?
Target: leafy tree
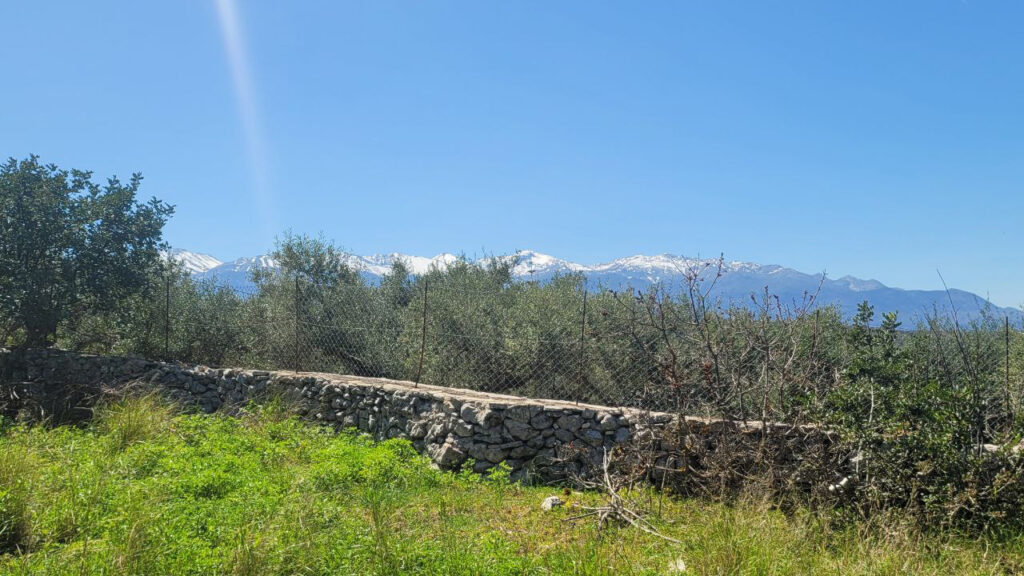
(317, 313)
(69, 246)
(313, 260)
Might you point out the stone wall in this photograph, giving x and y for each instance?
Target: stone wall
(452, 426)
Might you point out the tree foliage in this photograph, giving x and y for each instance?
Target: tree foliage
(69, 246)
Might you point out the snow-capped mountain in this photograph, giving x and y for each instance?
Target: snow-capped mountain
(380, 264)
(237, 272)
(533, 265)
(193, 262)
(736, 281)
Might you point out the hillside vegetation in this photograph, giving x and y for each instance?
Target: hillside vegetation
(144, 490)
(926, 420)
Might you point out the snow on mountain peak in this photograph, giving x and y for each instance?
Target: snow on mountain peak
(738, 280)
(661, 266)
(245, 264)
(380, 264)
(529, 262)
(193, 262)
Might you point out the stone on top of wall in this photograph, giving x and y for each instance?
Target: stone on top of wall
(452, 426)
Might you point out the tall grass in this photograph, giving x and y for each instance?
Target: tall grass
(146, 490)
(19, 473)
(133, 419)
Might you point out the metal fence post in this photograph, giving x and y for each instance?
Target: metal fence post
(295, 360)
(423, 332)
(1009, 400)
(583, 346)
(167, 318)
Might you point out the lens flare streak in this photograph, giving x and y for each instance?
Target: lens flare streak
(248, 110)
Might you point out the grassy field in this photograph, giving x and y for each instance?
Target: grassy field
(143, 490)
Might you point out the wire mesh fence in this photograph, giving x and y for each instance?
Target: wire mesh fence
(764, 360)
(922, 412)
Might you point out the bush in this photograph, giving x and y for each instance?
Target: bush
(932, 440)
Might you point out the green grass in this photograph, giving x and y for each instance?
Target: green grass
(146, 491)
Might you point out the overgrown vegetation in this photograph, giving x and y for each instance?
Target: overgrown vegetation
(142, 490)
(70, 248)
(928, 416)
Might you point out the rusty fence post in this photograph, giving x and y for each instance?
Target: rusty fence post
(1009, 399)
(295, 358)
(583, 346)
(167, 318)
(423, 332)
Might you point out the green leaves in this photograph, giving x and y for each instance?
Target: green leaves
(69, 246)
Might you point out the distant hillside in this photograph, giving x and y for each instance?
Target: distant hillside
(739, 280)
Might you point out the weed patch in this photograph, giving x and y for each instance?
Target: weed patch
(171, 493)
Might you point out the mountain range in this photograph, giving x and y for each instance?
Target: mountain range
(737, 283)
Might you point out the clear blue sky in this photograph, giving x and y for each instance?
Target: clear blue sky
(874, 138)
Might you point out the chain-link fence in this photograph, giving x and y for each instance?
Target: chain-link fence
(922, 415)
(681, 351)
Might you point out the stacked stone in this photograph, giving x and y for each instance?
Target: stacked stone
(450, 426)
(48, 365)
(525, 435)
(210, 388)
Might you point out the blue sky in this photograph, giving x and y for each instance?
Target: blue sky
(879, 139)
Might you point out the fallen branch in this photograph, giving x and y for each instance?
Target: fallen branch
(616, 508)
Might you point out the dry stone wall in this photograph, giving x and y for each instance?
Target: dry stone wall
(452, 426)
